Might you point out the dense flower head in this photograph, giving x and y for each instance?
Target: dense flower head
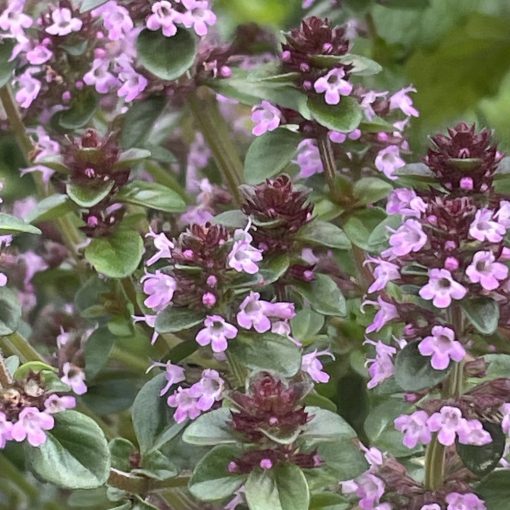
(464, 153)
(278, 211)
(315, 37)
(27, 409)
(270, 405)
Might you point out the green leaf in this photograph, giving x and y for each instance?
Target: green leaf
(88, 5)
(324, 295)
(495, 490)
(483, 313)
(32, 366)
(12, 225)
(75, 454)
(341, 461)
(12, 363)
(88, 196)
(343, 117)
(369, 190)
(140, 119)
(81, 110)
(167, 58)
(10, 311)
(120, 451)
(157, 466)
(281, 488)
(323, 233)
(413, 372)
(381, 431)
(274, 267)
(151, 195)
(167, 435)
(116, 256)
(266, 351)
(211, 429)
(173, 319)
(131, 157)
(270, 154)
(306, 324)
(361, 224)
(481, 460)
(211, 480)
(328, 501)
(378, 238)
(326, 426)
(97, 351)
(6, 67)
(150, 413)
(232, 219)
(49, 208)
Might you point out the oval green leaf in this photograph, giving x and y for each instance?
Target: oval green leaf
(344, 117)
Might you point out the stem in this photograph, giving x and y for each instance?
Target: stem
(205, 111)
(5, 376)
(70, 234)
(140, 485)
(328, 162)
(22, 348)
(453, 387)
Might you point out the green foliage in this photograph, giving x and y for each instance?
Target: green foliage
(151, 195)
(483, 313)
(344, 117)
(75, 454)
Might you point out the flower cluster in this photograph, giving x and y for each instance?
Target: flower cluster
(318, 54)
(448, 255)
(27, 409)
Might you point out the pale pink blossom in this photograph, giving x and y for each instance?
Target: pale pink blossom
(442, 347)
(333, 86)
(486, 271)
(442, 288)
(216, 333)
(75, 378)
(31, 425)
(63, 22)
(484, 228)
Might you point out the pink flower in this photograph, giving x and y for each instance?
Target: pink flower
(150, 320)
(312, 365)
(404, 201)
(368, 100)
(333, 85)
(198, 15)
(484, 228)
(208, 390)
(309, 159)
(505, 424)
(28, 88)
(133, 84)
(337, 137)
(39, 54)
(185, 403)
(31, 425)
(386, 313)
(388, 161)
(160, 288)
(447, 423)
(409, 237)
(164, 17)
(265, 117)
(216, 333)
(174, 374)
(163, 246)
(63, 22)
(381, 367)
(5, 430)
(486, 271)
(75, 378)
(368, 487)
(244, 257)
(472, 433)
(99, 76)
(401, 100)
(415, 429)
(115, 19)
(13, 20)
(383, 273)
(503, 213)
(469, 501)
(252, 314)
(283, 311)
(442, 288)
(433, 506)
(56, 404)
(442, 346)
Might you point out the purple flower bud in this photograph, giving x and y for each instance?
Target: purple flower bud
(266, 464)
(451, 263)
